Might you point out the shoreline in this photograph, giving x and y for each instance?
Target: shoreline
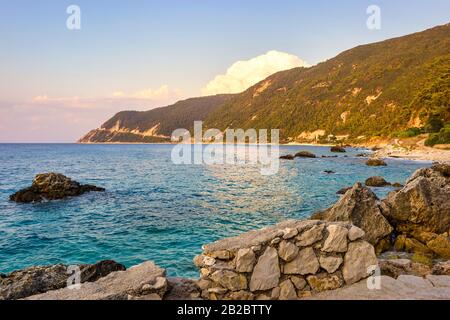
(394, 150)
(389, 150)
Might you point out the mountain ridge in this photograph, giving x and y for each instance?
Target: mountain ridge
(371, 91)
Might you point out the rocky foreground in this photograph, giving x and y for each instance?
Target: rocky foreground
(340, 254)
(52, 186)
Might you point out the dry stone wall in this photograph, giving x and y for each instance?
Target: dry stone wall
(291, 260)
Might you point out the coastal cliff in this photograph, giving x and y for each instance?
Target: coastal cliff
(155, 125)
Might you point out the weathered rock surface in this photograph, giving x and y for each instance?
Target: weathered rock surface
(360, 206)
(287, 290)
(423, 203)
(324, 281)
(376, 181)
(355, 233)
(336, 240)
(310, 236)
(287, 251)
(140, 282)
(397, 267)
(306, 262)
(245, 260)
(442, 268)
(52, 186)
(230, 280)
(267, 271)
(440, 245)
(330, 263)
(35, 280)
(359, 257)
(182, 289)
(390, 289)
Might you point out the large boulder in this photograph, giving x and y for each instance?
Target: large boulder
(375, 162)
(34, 280)
(305, 154)
(337, 149)
(360, 207)
(287, 157)
(376, 181)
(422, 205)
(52, 186)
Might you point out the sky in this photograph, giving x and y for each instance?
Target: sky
(56, 84)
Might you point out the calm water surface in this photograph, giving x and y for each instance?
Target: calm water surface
(155, 210)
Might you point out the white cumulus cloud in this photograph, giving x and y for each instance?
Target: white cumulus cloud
(243, 74)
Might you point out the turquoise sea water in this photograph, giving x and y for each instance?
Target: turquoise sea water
(155, 210)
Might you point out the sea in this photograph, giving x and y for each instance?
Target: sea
(155, 209)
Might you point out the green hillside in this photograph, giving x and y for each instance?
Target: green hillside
(155, 125)
(372, 90)
(394, 88)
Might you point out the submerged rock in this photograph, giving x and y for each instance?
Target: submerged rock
(35, 280)
(287, 157)
(337, 149)
(52, 186)
(375, 162)
(376, 181)
(305, 154)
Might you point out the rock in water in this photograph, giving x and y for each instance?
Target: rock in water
(305, 154)
(423, 204)
(35, 280)
(374, 162)
(52, 186)
(287, 157)
(376, 181)
(359, 206)
(337, 149)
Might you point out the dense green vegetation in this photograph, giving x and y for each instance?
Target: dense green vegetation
(441, 137)
(395, 88)
(179, 115)
(372, 90)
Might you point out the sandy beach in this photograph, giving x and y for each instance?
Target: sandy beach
(418, 151)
